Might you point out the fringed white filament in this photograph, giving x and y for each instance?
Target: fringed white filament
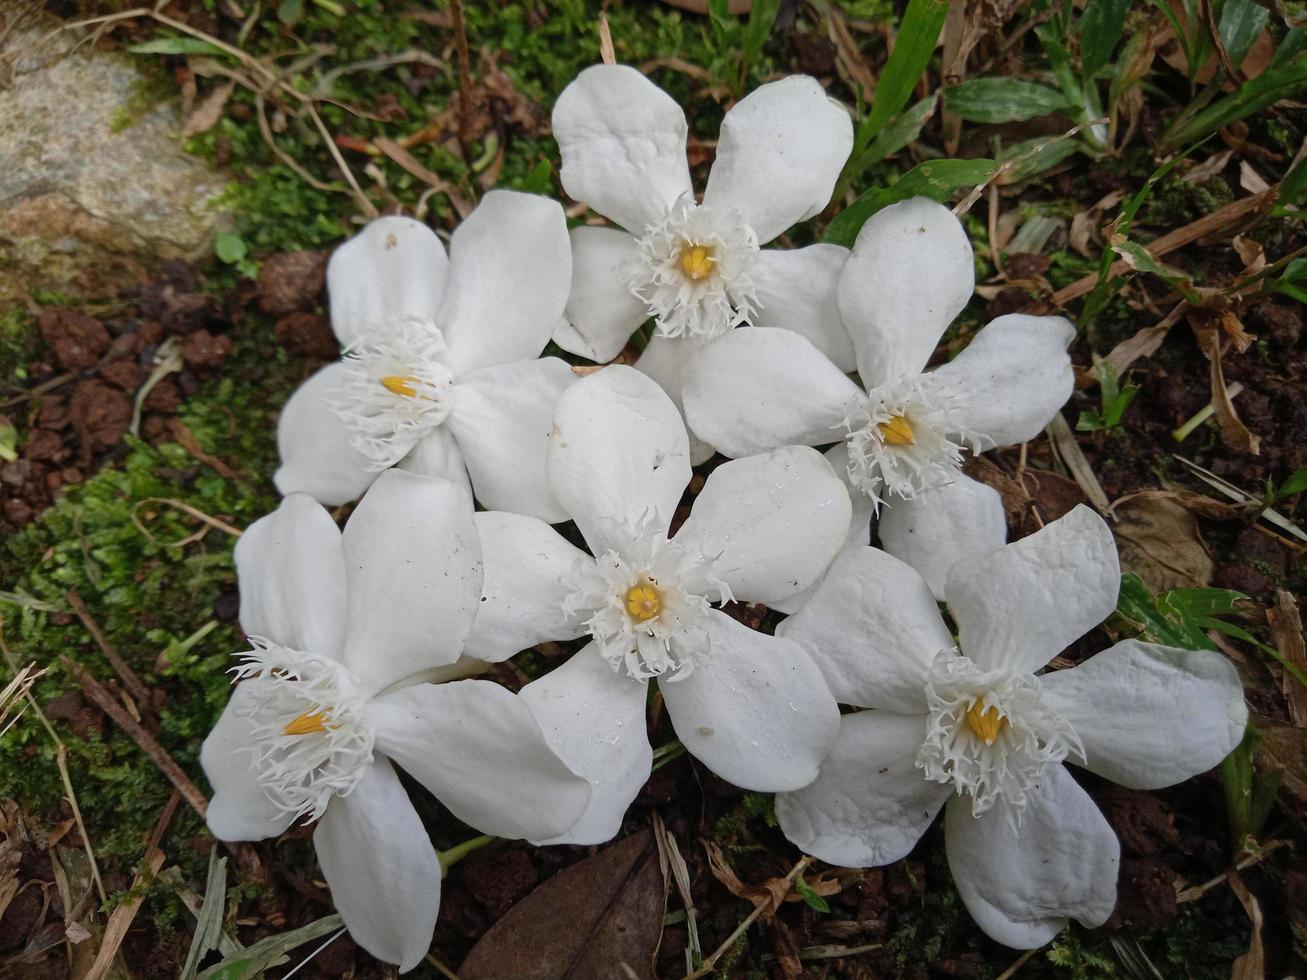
(301, 773)
(885, 471)
(1030, 739)
(385, 423)
(681, 305)
(668, 645)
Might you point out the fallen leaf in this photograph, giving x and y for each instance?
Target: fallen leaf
(208, 112)
(1252, 964)
(771, 893)
(1209, 168)
(601, 918)
(1286, 627)
(1158, 540)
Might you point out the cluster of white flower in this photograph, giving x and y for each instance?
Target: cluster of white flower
(360, 637)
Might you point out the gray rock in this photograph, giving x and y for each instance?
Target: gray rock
(94, 185)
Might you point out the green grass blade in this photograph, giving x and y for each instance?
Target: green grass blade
(999, 100)
(936, 179)
(1100, 32)
(917, 36)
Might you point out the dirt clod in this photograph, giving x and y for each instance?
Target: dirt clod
(203, 350)
(76, 339)
(291, 281)
(100, 414)
(307, 333)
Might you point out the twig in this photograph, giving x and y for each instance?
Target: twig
(1198, 891)
(61, 761)
(1173, 240)
(1011, 971)
(131, 680)
(606, 53)
(445, 971)
(157, 753)
(464, 74)
(706, 967)
(181, 505)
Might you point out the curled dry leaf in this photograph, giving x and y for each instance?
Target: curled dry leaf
(1286, 627)
(771, 893)
(1252, 964)
(1159, 541)
(599, 919)
(206, 115)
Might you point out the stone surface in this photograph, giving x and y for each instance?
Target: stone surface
(94, 184)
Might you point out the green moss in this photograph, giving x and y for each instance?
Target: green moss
(19, 342)
(152, 89)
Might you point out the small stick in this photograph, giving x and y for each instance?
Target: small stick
(1011, 971)
(131, 680)
(1198, 891)
(606, 53)
(157, 753)
(706, 967)
(464, 73)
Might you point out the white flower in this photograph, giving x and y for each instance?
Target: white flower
(751, 707)
(345, 628)
(697, 268)
(980, 729)
(440, 373)
(904, 429)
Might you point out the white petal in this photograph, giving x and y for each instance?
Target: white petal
(619, 454)
(774, 522)
(797, 291)
(873, 628)
(481, 753)
(1022, 605)
(1022, 886)
(779, 154)
(593, 717)
(910, 274)
(395, 267)
(755, 711)
(602, 312)
(502, 418)
(239, 808)
(871, 804)
(383, 872)
(932, 531)
(437, 454)
(317, 453)
(1151, 716)
(663, 359)
(292, 578)
(754, 390)
(510, 268)
(413, 564)
(1012, 379)
(622, 143)
(528, 574)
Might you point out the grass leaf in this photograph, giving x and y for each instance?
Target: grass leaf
(936, 179)
(998, 100)
(917, 36)
(1100, 30)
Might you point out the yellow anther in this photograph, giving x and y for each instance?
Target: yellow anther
(697, 261)
(400, 384)
(986, 723)
(897, 432)
(643, 602)
(309, 723)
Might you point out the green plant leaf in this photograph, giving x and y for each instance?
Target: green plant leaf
(229, 247)
(1296, 483)
(810, 896)
(918, 32)
(902, 130)
(208, 926)
(1241, 22)
(8, 441)
(762, 17)
(998, 100)
(1100, 32)
(936, 179)
(270, 952)
(177, 45)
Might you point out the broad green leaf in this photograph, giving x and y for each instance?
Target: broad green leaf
(810, 896)
(1296, 483)
(1285, 78)
(1100, 32)
(998, 100)
(936, 179)
(1241, 22)
(1034, 156)
(229, 247)
(902, 130)
(177, 45)
(1138, 606)
(1141, 260)
(270, 952)
(918, 33)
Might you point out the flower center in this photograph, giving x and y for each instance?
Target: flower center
(643, 602)
(646, 605)
(990, 734)
(309, 739)
(985, 721)
(897, 431)
(899, 440)
(695, 271)
(697, 260)
(396, 389)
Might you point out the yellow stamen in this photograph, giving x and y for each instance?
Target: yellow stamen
(309, 723)
(897, 432)
(697, 261)
(400, 384)
(643, 602)
(986, 723)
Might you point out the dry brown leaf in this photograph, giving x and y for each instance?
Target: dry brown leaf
(1286, 627)
(208, 112)
(1250, 180)
(1209, 168)
(1284, 747)
(1234, 433)
(1159, 541)
(599, 919)
(1068, 450)
(1250, 253)
(1234, 331)
(1144, 343)
(1252, 964)
(769, 895)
